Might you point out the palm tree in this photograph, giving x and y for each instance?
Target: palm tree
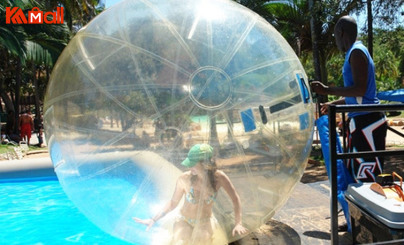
(12, 39)
(307, 25)
(40, 44)
(382, 11)
(35, 47)
(77, 12)
(292, 20)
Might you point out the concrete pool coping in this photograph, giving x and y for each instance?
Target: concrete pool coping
(26, 168)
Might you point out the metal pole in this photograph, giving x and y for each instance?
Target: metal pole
(333, 174)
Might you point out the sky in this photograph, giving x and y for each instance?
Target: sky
(109, 3)
(361, 19)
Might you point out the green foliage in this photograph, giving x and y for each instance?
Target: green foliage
(77, 12)
(334, 68)
(40, 45)
(388, 55)
(35, 47)
(386, 68)
(5, 148)
(307, 61)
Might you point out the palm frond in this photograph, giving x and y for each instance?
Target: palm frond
(9, 41)
(38, 54)
(51, 46)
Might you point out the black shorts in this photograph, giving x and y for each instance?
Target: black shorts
(366, 133)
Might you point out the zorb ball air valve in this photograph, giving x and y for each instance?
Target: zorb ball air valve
(147, 80)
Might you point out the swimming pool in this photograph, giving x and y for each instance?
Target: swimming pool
(39, 212)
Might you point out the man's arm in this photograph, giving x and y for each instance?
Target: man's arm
(359, 66)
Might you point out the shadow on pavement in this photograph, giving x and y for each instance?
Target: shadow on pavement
(273, 232)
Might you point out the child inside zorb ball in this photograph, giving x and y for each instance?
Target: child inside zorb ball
(199, 186)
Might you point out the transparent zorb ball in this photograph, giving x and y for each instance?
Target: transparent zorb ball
(144, 81)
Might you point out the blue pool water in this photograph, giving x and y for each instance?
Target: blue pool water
(39, 212)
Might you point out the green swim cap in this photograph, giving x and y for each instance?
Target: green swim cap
(198, 153)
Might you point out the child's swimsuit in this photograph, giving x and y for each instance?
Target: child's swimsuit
(190, 197)
(192, 222)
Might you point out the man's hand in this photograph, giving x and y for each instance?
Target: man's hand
(319, 88)
(324, 108)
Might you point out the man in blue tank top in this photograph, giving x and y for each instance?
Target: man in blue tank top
(367, 131)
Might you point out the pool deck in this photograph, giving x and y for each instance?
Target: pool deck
(304, 219)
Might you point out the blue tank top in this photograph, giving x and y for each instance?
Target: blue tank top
(370, 95)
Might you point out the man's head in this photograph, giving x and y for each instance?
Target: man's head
(345, 32)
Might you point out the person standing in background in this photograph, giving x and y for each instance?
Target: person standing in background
(367, 130)
(26, 124)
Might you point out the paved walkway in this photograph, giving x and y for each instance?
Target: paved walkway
(393, 139)
(303, 220)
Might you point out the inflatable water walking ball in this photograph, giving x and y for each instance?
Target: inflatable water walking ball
(145, 81)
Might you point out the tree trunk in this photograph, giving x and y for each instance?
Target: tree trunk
(8, 102)
(315, 32)
(38, 113)
(17, 94)
(314, 41)
(323, 65)
(36, 94)
(370, 27)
